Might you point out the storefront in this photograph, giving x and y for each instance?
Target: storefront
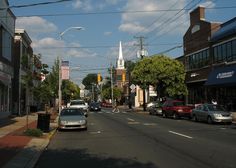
(5, 94)
(221, 84)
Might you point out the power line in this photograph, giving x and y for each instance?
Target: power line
(170, 19)
(35, 4)
(118, 12)
(105, 46)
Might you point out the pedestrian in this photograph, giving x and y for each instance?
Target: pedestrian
(115, 109)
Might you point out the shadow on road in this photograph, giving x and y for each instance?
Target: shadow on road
(81, 158)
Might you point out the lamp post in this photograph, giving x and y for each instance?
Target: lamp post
(60, 75)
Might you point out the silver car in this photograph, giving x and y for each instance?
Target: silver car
(211, 113)
(81, 104)
(72, 118)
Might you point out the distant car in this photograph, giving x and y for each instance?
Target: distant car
(72, 118)
(155, 109)
(81, 104)
(211, 113)
(176, 109)
(95, 106)
(106, 104)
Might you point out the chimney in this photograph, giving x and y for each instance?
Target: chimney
(197, 15)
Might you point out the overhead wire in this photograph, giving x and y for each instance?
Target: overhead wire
(35, 4)
(168, 31)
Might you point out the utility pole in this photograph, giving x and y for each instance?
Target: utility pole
(142, 53)
(112, 101)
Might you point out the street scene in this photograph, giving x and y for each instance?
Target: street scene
(118, 84)
(128, 139)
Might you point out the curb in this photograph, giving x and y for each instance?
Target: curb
(29, 156)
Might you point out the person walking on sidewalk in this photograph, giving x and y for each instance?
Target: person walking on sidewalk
(115, 108)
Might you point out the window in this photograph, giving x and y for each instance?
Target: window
(229, 51)
(6, 45)
(234, 50)
(224, 52)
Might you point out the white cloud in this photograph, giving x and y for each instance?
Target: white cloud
(144, 22)
(89, 5)
(35, 25)
(108, 33)
(85, 5)
(49, 48)
(47, 42)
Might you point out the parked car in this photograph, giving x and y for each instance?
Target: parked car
(155, 109)
(81, 104)
(150, 104)
(95, 106)
(176, 109)
(211, 113)
(72, 118)
(106, 104)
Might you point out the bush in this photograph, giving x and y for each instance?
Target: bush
(34, 132)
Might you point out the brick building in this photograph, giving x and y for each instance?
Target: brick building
(210, 60)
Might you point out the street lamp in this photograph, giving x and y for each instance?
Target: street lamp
(60, 80)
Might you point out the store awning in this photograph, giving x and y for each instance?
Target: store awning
(222, 76)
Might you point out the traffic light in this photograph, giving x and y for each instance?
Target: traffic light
(99, 78)
(123, 77)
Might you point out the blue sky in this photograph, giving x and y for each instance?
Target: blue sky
(106, 22)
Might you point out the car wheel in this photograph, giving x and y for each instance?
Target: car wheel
(164, 114)
(175, 116)
(195, 118)
(209, 120)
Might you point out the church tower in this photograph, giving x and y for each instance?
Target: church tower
(120, 64)
(120, 72)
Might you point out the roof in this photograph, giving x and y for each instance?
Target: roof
(228, 28)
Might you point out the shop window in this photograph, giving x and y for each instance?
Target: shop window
(229, 51)
(219, 52)
(234, 50)
(224, 52)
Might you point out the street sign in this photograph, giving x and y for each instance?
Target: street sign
(132, 87)
(81, 86)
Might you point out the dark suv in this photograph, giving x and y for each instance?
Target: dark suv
(176, 109)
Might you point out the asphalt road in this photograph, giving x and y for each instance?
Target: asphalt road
(132, 140)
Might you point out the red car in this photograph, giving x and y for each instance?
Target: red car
(176, 109)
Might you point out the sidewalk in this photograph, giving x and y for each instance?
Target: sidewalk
(17, 149)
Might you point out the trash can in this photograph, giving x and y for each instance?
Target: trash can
(43, 122)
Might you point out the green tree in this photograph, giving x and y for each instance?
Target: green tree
(106, 93)
(47, 91)
(89, 80)
(70, 91)
(164, 73)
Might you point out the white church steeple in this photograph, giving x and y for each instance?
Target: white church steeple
(120, 62)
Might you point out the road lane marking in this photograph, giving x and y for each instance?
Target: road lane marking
(149, 124)
(133, 123)
(96, 132)
(130, 119)
(176, 133)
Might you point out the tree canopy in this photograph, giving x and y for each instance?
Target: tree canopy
(89, 80)
(164, 73)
